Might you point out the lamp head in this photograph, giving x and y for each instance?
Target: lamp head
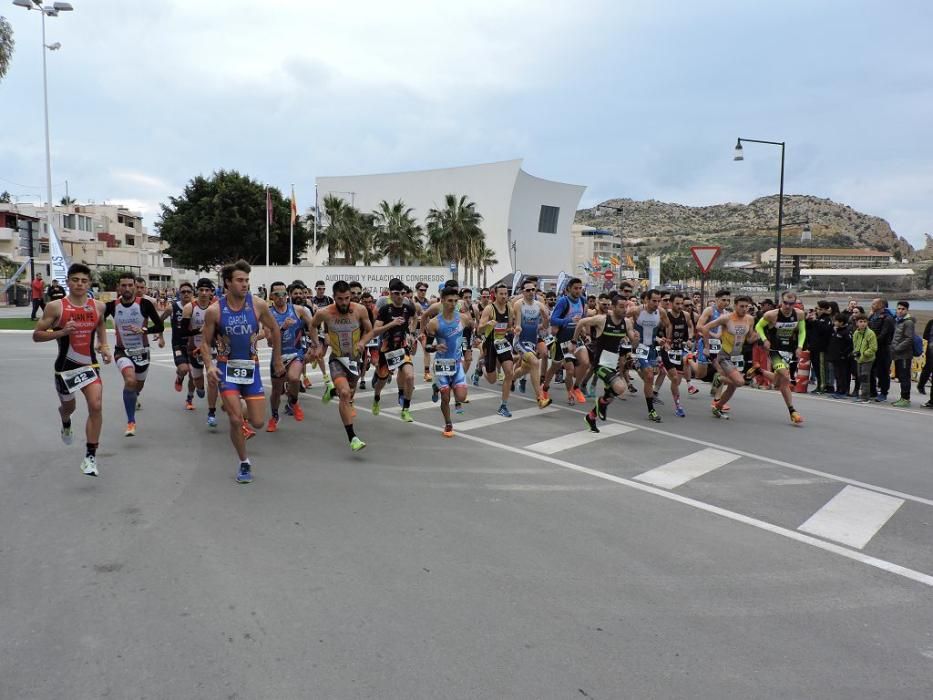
(62, 6)
(23, 3)
(54, 47)
(738, 151)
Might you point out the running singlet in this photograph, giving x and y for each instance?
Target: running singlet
(733, 334)
(783, 336)
(610, 340)
(647, 326)
(343, 332)
(395, 338)
(448, 367)
(237, 332)
(531, 322)
(197, 323)
(566, 314)
(77, 348)
(175, 319)
(679, 329)
(126, 316)
(291, 336)
(500, 330)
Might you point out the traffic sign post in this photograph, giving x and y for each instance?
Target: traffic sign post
(705, 256)
(609, 275)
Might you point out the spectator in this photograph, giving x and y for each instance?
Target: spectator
(38, 294)
(881, 322)
(928, 363)
(819, 329)
(839, 352)
(56, 291)
(902, 351)
(864, 350)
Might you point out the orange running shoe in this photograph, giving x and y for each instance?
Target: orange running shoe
(306, 382)
(448, 431)
(130, 430)
(796, 418)
(297, 412)
(273, 426)
(248, 432)
(578, 395)
(178, 383)
(189, 406)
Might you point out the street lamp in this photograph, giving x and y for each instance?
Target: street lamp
(52, 11)
(738, 155)
(618, 209)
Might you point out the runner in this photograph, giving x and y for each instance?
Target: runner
(445, 334)
(611, 330)
(674, 349)
(730, 362)
(348, 330)
(566, 313)
(192, 322)
(422, 303)
(783, 332)
(650, 322)
(75, 322)
(371, 356)
(131, 348)
(291, 321)
(142, 291)
(175, 312)
(496, 324)
(235, 323)
(708, 348)
(394, 323)
(532, 317)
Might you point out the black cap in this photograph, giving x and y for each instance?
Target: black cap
(205, 282)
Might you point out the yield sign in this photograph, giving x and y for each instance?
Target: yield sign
(705, 255)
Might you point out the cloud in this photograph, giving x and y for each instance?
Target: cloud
(139, 179)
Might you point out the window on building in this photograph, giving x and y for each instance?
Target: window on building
(130, 223)
(547, 220)
(68, 221)
(85, 224)
(130, 240)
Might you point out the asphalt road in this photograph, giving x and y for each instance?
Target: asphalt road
(692, 559)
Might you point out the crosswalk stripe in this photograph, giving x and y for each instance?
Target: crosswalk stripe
(495, 419)
(430, 404)
(853, 516)
(680, 471)
(581, 437)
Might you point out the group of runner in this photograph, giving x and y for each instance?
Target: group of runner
(533, 336)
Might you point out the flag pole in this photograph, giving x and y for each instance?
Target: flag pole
(291, 231)
(317, 215)
(267, 227)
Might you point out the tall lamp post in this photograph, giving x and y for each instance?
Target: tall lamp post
(618, 209)
(777, 267)
(52, 11)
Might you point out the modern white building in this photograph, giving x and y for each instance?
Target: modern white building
(526, 219)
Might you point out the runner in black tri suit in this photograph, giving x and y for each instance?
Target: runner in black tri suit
(675, 346)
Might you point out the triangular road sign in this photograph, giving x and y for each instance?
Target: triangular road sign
(705, 255)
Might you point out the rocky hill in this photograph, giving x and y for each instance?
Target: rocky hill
(744, 230)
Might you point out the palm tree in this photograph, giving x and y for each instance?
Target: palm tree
(487, 261)
(398, 235)
(368, 236)
(343, 232)
(452, 230)
(6, 45)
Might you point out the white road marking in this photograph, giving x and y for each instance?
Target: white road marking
(495, 418)
(577, 439)
(430, 404)
(853, 516)
(680, 471)
(539, 487)
(798, 482)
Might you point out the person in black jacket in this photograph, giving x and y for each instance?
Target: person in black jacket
(927, 363)
(839, 353)
(819, 329)
(881, 322)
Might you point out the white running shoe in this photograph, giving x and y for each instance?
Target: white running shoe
(89, 466)
(68, 435)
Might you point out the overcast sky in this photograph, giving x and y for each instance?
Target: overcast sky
(641, 100)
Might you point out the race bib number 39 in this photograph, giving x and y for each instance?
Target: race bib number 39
(75, 379)
(240, 371)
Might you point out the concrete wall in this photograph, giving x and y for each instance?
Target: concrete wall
(372, 278)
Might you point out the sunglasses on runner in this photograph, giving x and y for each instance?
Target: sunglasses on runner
(280, 294)
(529, 289)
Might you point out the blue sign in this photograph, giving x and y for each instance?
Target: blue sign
(453, 266)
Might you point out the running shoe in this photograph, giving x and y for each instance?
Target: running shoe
(578, 395)
(600, 410)
(658, 401)
(475, 379)
(328, 393)
(680, 412)
(68, 435)
(544, 401)
(189, 405)
(130, 430)
(591, 423)
(427, 375)
(654, 416)
(590, 392)
(375, 409)
(500, 376)
(362, 385)
(248, 432)
(212, 421)
(522, 384)
(718, 413)
(796, 418)
(435, 393)
(692, 389)
(298, 412)
(901, 403)
(200, 393)
(245, 474)
(716, 383)
(139, 405)
(504, 411)
(288, 409)
(406, 416)
(306, 382)
(273, 426)
(89, 466)
(458, 408)
(356, 444)
(545, 393)
(448, 431)
(632, 389)
(178, 383)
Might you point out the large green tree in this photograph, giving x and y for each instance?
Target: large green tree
(6, 45)
(455, 233)
(398, 237)
(221, 218)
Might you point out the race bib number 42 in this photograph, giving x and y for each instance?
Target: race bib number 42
(240, 371)
(75, 379)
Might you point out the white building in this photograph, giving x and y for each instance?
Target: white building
(517, 208)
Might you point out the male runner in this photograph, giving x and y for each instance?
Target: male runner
(74, 322)
(235, 324)
(174, 313)
(291, 321)
(142, 291)
(192, 322)
(394, 323)
(611, 329)
(730, 361)
(532, 317)
(783, 332)
(356, 291)
(708, 348)
(496, 324)
(131, 348)
(371, 357)
(650, 323)
(445, 334)
(566, 313)
(674, 349)
(422, 303)
(348, 330)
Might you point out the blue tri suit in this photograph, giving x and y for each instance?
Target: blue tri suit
(451, 333)
(237, 358)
